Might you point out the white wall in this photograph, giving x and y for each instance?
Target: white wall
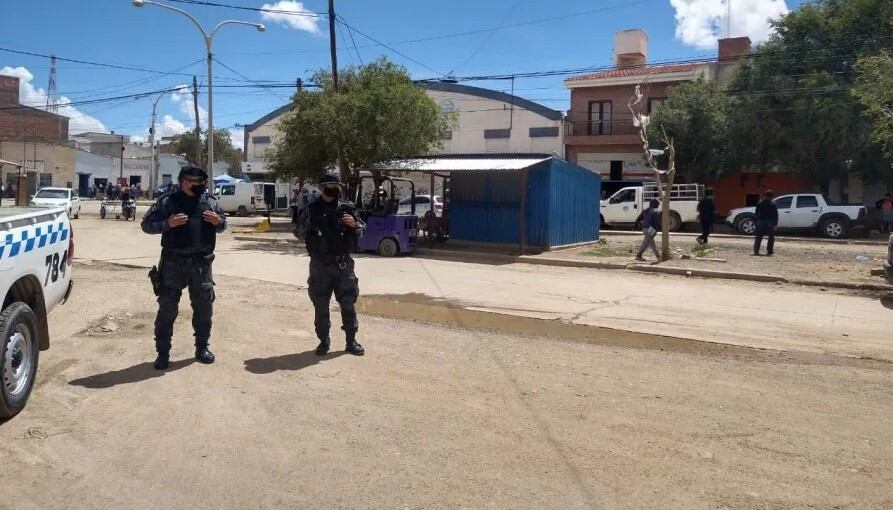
(474, 115)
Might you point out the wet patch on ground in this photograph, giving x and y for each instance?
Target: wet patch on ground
(426, 309)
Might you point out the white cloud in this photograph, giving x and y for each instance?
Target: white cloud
(298, 18)
(700, 23)
(184, 101)
(30, 95)
(237, 137)
(170, 126)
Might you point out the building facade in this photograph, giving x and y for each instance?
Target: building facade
(482, 121)
(19, 122)
(599, 133)
(45, 163)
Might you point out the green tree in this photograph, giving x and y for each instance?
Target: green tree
(874, 91)
(187, 145)
(792, 99)
(694, 115)
(378, 115)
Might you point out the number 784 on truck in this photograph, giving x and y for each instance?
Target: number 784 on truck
(36, 252)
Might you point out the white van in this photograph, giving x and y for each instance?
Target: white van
(242, 198)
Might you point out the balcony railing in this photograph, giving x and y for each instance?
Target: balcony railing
(587, 127)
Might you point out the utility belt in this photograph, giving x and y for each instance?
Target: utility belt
(200, 260)
(187, 257)
(340, 261)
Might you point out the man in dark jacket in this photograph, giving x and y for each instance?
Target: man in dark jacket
(706, 213)
(331, 228)
(767, 219)
(188, 221)
(651, 223)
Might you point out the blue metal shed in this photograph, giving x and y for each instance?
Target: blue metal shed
(536, 201)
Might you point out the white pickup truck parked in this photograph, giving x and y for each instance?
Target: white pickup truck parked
(804, 211)
(624, 207)
(36, 250)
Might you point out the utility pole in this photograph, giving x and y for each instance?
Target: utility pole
(121, 175)
(332, 44)
(198, 129)
(299, 84)
(343, 172)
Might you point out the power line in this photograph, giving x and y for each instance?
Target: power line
(452, 35)
(341, 20)
(308, 14)
(95, 101)
(249, 79)
(355, 48)
(87, 62)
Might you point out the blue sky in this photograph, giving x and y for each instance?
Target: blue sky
(113, 31)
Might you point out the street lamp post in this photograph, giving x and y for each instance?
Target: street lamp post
(209, 41)
(153, 171)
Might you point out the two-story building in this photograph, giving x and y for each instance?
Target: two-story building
(600, 134)
(483, 121)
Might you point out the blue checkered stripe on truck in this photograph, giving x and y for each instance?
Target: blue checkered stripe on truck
(31, 238)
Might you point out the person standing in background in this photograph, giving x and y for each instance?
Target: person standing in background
(767, 220)
(706, 214)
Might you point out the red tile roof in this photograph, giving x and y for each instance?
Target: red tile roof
(637, 71)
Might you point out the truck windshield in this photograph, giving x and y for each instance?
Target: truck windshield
(52, 193)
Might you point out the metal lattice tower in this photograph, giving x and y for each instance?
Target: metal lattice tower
(52, 100)
(728, 18)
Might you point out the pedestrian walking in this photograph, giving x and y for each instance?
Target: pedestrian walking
(651, 225)
(706, 215)
(767, 219)
(331, 229)
(188, 221)
(885, 206)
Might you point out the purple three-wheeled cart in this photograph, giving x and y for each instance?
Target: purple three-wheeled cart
(387, 232)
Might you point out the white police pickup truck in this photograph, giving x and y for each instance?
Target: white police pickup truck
(804, 211)
(36, 251)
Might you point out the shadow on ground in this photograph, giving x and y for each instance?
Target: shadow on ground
(134, 374)
(292, 362)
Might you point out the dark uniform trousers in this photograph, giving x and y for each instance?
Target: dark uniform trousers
(177, 273)
(339, 278)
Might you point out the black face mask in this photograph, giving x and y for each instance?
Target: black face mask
(331, 192)
(199, 189)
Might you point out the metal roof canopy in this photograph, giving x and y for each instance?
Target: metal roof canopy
(445, 165)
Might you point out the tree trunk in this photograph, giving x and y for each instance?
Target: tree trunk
(666, 191)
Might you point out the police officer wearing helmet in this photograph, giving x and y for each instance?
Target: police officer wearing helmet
(330, 229)
(188, 220)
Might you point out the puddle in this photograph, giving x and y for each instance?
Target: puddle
(426, 309)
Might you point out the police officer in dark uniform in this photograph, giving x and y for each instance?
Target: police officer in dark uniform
(331, 228)
(188, 220)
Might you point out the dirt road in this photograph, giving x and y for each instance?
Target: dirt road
(432, 417)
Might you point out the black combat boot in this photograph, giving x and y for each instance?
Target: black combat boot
(163, 361)
(323, 348)
(353, 346)
(204, 356)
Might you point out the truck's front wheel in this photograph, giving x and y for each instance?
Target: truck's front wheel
(19, 354)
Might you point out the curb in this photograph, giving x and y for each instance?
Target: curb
(819, 240)
(462, 256)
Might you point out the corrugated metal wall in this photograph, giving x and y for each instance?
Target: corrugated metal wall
(484, 206)
(562, 205)
(574, 204)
